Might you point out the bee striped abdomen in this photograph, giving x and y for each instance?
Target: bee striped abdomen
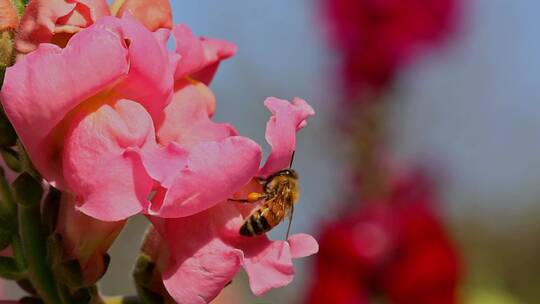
(258, 223)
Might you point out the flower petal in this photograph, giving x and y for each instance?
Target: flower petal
(163, 163)
(215, 170)
(269, 263)
(149, 66)
(154, 14)
(207, 249)
(200, 264)
(281, 130)
(200, 56)
(302, 245)
(44, 19)
(43, 87)
(187, 120)
(109, 182)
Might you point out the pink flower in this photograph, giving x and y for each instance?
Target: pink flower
(125, 127)
(106, 130)
(205, 250)
(55, 21)
(94, 111)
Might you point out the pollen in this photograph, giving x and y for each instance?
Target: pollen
(254, 196)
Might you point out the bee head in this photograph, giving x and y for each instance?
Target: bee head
(288, 172)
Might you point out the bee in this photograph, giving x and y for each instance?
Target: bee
(281, 192)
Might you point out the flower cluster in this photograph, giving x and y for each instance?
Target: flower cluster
(395, 248)
(375, 38)
(123, 126)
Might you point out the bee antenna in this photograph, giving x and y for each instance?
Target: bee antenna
(292, 159)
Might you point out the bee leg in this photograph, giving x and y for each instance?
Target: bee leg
(252, 198)
(290, 222)
(238, 200)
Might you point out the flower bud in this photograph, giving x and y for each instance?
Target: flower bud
(85, 242)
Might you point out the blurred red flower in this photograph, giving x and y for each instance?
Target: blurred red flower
(396, 248)
(376, 37)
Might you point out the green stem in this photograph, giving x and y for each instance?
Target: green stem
(34, 246)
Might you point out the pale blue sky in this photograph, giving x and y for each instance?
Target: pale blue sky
(473, 106)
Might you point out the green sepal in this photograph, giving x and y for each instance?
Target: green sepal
(27, 286)
(106, 262)
(8, 137)
(11, 158)
(54, 249)
(142, 274)
(26, 163)
(9, 269)
(20, 6)
(148, 296)
(5, 238)
(28, 191)
(18, 253)
(70, 273)
(51, 207)
(87, 295)
(31, 300)
(8, 207)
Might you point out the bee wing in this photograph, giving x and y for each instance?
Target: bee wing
(278, 208)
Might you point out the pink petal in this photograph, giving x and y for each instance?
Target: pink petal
(109, 182)
(164, 163)
(97, 8)
(206, 251)
(43, 19)
(200, 264)
(44, 86)
(150, 80)
(200, 56)
(120, 56)
(281, 130)
(269, 263)
(187, 120)
(154, 14)
(214, 172)
(269, 267)
(302, 245)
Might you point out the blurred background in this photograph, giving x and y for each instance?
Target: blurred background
(458, 108)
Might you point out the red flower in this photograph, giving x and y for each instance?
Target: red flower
(376, 37)
(397, 249)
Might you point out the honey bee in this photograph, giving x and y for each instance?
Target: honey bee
(281, 192)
